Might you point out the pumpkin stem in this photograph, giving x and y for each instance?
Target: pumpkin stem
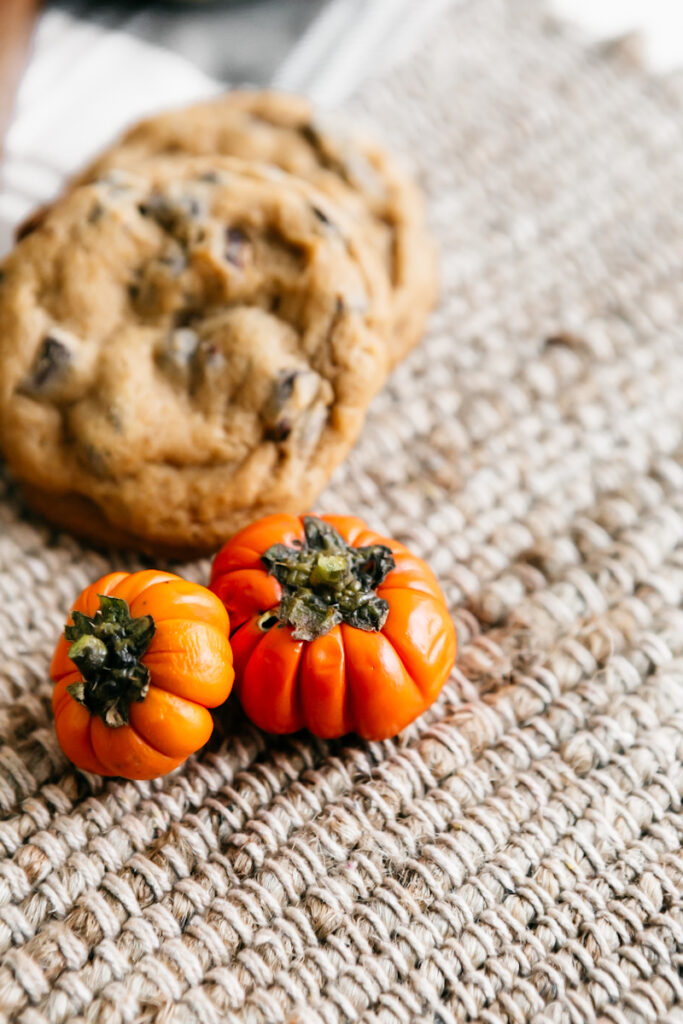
(325, 581)
(106, 648)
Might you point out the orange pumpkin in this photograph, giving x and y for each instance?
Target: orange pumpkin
(142, 657)
(334, 627)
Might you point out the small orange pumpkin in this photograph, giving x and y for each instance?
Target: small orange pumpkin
(141, 659)
(335, 628)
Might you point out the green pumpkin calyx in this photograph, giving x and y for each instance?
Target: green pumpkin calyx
(107, 648)
(326, 581)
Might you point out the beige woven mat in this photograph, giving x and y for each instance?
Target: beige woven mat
(515, 856)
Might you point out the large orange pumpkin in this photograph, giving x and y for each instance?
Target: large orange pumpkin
(335, 628)
(142, 658)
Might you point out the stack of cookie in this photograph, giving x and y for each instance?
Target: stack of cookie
(190, 338)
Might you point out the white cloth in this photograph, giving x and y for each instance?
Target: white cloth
(83, 85)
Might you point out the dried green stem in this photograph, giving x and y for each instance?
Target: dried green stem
(326, 581)
(107, 648)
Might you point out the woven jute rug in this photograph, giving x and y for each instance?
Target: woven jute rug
(515, 855)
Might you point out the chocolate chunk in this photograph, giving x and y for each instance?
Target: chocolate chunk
(235, 246)
(323, 152)
(321, 215)
(192, 361)
(207, 371)
(179, 351)
(192, 207)
(343, 158)
(183, 343)
(312, 136)
(293, 397)
(171, 214)
(358, 305)
(50, 366)
(279, 431)
(284, 385)
(93, 459)
(328, 224)
(210, 356)
(114, 418)
(184, 317)
(174, 258)
(95, 213)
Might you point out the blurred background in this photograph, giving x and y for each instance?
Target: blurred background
(74, 73)
(233, 40)
(246, 40)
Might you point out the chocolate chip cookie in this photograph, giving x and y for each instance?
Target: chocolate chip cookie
(359, 175)
(186, 349)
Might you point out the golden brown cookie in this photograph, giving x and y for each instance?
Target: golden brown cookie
(284, 130)
(184, 350)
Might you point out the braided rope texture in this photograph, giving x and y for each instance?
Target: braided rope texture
(515, 856)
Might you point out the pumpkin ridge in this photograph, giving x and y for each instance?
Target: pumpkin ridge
(149, 743)
(105, 767)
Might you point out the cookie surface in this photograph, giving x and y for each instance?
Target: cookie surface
(283, 130)
(185, 350)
